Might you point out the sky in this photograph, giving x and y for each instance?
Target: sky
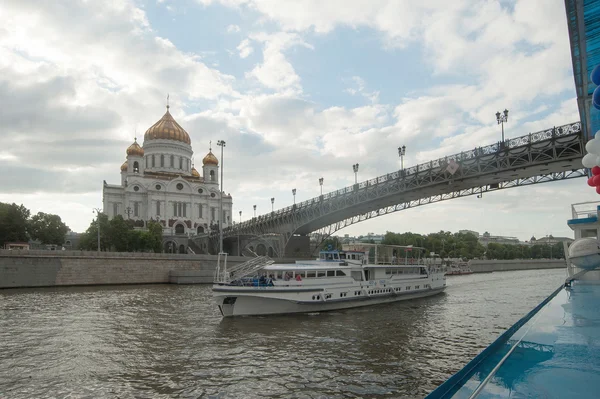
(299, 90)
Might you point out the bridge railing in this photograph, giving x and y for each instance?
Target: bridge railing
(491, 149)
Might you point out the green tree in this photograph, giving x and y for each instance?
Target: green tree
(119, 234)
(89, 239)
(47, 228)
(13, 223)
(334, 241)
(155, 234)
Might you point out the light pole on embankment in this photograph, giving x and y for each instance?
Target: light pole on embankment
(355, 169)
(98, 212)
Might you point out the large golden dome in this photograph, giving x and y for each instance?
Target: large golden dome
(210, 159)
(135, 149)
(167, 129)
(195, 172)
(124, 167)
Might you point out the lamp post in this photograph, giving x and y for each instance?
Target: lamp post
(402, 153)
(321, 184)
(355, 169)
(254, 206)
(239, 228)
(501, 118)
(98, 212)
(128, 212)
(272, 202)
(294, 194)
(221, 143)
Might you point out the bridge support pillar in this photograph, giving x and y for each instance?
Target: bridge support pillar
(298, 247)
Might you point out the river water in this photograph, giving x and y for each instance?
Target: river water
(164, 341)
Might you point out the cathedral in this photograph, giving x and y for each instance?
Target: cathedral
(159, 182)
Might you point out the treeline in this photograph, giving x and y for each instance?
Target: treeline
(462, 245)
(17, 225)
(119, 235)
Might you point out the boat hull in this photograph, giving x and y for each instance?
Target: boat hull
(252, 305)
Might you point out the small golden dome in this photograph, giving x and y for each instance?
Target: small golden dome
(195, 172)
(210, 159)
(167, 129)
(124, 167)
(135, 149)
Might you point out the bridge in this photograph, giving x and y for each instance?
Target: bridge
(549, 155)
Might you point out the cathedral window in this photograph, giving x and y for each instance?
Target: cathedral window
(180, 163)
(212, 175)
(212, 214)
(172, 161)
(179, 186)
(136, 209)
(199, 211)
(162, 160)
(153, 160)
(115, 209)
(147, 162)
(188, 164)
(174, 208)
(158, 208)
(136, 167)
(179, 210)
(184, 209)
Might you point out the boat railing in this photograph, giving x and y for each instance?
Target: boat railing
(585, 209)
(224, 275)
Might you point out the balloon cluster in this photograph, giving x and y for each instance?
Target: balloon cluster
(591, 160)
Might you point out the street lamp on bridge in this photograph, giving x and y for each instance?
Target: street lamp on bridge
(240, 216)
(254, 206)
(501, 118)
(401, 153)
(355, 169)
(294, 194)
(221, 143)
(321, 184)
(272, 202)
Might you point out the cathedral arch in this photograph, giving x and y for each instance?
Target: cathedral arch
(200, 230)
(261, 250)
(270, 252)
(182, 249)
(212, 175)
(179, 229)
(162, 160)
(136, 167)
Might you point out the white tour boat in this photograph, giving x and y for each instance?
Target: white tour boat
(360, 275)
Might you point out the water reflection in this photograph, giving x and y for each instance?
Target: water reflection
(170, 341)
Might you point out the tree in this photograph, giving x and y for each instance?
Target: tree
(89, 239)
(119, 234)
(47, 228)
(333, 241)
(13, 223)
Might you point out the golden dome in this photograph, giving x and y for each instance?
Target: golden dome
(135, 149)
(210, 159)
(195, 172)
(124, 167)
(167, 129)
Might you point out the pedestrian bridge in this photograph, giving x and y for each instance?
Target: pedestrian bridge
(550, 155)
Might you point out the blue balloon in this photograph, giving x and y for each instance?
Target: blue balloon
(595, 75)
(596, 98)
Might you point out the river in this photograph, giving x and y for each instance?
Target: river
(166, 341)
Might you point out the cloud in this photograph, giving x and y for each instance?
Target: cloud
(245, 48)
(233, 29)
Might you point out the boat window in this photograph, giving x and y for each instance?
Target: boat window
(302, 274)
(336, 257)
(339, 273)
(342, 256)
(329, 256)
(279, 274)
(322, 256)
(330, 273)
(321, 273)
(311, 273)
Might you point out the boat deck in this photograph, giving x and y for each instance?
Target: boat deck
(553, 352)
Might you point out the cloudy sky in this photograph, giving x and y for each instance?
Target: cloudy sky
(298, 89)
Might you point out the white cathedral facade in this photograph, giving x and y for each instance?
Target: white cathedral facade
(160, 182)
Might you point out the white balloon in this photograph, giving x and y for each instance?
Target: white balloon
(597, 160)
(597, 135)
(589, 160)
(593, 146)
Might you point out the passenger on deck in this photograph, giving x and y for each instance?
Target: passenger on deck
(286, 276)
(298, 278)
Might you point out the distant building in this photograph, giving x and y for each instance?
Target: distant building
(486, 238)
(18, 246)
(159, 182)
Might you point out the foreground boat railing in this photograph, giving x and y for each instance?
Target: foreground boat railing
(224, 275)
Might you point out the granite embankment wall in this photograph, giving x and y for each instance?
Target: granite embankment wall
(486, 266)
(63, 268)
